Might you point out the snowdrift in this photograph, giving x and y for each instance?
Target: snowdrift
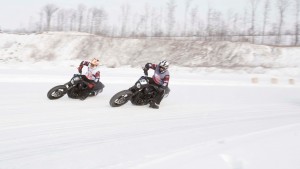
(115, 52)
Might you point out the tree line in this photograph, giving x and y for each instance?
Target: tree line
(260, 22)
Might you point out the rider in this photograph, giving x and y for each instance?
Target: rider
(160, 79)
(91, 76)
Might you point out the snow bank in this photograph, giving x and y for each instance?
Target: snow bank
(115, 52)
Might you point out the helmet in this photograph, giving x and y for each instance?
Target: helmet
(163, 66)
(95, 62)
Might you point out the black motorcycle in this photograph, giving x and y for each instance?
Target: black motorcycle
(141, 93)
(74, 88)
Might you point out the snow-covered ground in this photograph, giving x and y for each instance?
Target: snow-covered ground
(210, 121)
(231, 106)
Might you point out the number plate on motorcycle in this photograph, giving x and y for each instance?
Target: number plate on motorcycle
(143, 81)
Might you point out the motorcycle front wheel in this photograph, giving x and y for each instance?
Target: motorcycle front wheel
(57, 92)
(120, 98)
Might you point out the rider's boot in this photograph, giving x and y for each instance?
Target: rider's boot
(154, 105)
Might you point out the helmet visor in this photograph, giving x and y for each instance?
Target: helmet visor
(162, 68)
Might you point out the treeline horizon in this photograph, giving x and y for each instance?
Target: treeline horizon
(260, 22)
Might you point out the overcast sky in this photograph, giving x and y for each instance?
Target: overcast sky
(16, 13)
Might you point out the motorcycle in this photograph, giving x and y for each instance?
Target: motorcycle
(141, 93)
(74, 88)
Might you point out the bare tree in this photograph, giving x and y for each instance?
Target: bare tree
(49, 9)
(235, 22)
(209, 20)
(156, 22)
(137, 24)
(170, 20)
(91, 25)
(245, 22)
(88, 20)
(80, 12)
(194, 16)
(141, 28)
(125, 11)
(231, 26)
(214, 23)
(282, 6)
(187, 6)
(153, 22)
(40, 24)
(267, 8)
(146, 18)
(61, 20)
(72, 14)
(200, 27)
(98, 17)
(253, 6)
(297, 24)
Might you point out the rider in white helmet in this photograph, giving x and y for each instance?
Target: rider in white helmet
(92, 76)
(160, 78)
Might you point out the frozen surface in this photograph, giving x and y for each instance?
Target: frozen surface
(209, 120)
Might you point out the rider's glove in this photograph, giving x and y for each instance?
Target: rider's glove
(145, 71)
(80, 69)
